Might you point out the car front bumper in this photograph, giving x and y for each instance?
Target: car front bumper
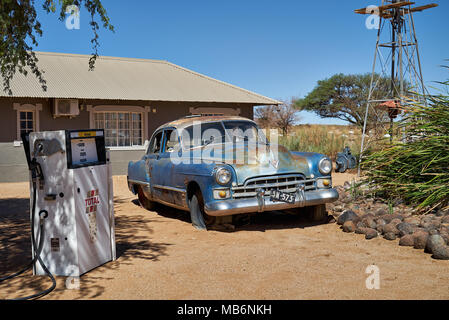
(263, 203)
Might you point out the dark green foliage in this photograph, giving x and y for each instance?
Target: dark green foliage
(19, 28)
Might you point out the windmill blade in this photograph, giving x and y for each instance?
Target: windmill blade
(407, 11)
(421, 8)
(385, 7)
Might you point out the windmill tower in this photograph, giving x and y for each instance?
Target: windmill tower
(397, 59)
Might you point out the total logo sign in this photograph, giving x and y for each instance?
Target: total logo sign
(92, 201)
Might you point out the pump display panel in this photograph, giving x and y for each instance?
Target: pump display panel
(85, 148)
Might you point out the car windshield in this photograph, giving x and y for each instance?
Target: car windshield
(243, 131)
(203, 134)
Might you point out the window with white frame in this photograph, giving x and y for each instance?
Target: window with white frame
(27, 118)
(122, 129)
(26, 121)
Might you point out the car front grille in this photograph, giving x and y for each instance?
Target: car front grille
(285, 183)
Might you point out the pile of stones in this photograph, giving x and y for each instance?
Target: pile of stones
(375, 218)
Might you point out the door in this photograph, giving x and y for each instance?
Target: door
(153, 154)
(161, 167)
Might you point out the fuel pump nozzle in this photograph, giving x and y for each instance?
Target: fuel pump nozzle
(36, 173)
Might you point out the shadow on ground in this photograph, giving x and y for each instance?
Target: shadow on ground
(132, 242)
(261, 222)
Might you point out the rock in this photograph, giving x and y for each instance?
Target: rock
(439, 213)
(348, 226)
(390, 236)
(386, 217)
(405, 228)
(338, 208)
(413, 220)
(445, 219)
(370, 233)
(381, 212)
(369, 222)
(397, 217)
(360, 230)
(435, 224)
(445, 236)
(420, 239)
(407, 241)
(441, 253)
(434, 241)
(347, 215)
(380, 224)
(390, 228)
(425, 222)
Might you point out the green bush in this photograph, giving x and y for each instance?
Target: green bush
(416, 170)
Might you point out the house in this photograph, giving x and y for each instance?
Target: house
(129, 98)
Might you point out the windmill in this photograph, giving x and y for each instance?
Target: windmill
(396, 58)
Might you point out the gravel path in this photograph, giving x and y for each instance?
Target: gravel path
(161, 256)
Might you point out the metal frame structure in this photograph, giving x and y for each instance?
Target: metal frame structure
(397, 55)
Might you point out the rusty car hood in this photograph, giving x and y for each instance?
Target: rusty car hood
(249, 161)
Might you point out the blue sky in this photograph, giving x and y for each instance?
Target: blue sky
(276, 48)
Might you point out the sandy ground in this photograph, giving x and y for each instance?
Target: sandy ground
(161, 256)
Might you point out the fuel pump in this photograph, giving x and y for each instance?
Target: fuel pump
(71, 190)
(75, 188)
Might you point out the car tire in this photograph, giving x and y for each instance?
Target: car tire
(200, 219)
(144, 201)
(317, 213)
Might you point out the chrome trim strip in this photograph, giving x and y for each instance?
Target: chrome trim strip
(251, 205)
(287, 176)
(147, 184)
(269, 185)
(169, 188)
(168, 204)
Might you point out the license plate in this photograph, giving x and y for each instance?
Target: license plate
(276, 195)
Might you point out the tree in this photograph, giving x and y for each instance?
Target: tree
(19, 29)
(286, 116)
(265, 116)
(283, 117)
(344, 97)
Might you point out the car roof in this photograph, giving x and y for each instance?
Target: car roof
(190, 120)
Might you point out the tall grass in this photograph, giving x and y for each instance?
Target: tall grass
(328, 140)
(416, 170)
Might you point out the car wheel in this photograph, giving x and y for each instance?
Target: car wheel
(200, 219)
(144, 201)
(317, 213)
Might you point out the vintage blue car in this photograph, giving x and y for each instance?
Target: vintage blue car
(215, 166)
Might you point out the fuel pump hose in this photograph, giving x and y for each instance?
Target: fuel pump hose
(42, 215)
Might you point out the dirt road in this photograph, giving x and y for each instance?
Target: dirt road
(161, 256)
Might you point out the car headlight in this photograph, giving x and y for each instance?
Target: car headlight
(223, 176)
(325, 166)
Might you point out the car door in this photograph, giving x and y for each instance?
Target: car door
(162, 168)
(153, 153)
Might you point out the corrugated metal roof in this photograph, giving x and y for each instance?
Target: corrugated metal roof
(67, 76)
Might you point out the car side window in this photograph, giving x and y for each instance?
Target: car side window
(156, 143)
(171, 140)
